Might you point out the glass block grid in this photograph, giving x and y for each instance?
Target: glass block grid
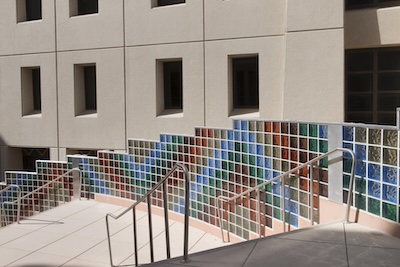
(31, 181)
(377, 168)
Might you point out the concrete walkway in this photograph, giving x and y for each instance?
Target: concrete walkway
(74, 234)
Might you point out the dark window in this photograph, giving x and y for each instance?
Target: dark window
(37, 102)
(172, 84)
(90, 87)
(372, 85)
(357, 4)
(33, 9)
(87, 7)
(31, 155)
(245, 82)
(169, 2)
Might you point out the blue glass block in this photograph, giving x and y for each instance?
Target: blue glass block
(260, 162)
(147, 168)
(176, 208)
(211, 163)
(294, 220)
(276, 188)
(163, 146)
(389, 193)
(323, 131)
(236, 124)
(158, 146)
(374, 171)
(224, 154)
(224, 144)
(245, 137)
(252, 137)
(107, 191)
(268, 163)
(287, 192)
(218, 164)
(217, 153)
(168, 138)
(260, 150)
(268, 175)
(348, 133)
(204, 171)
(374, 189)
(211, 172)
(126, 158)
(199, 188)
(276, 174)
(142, 168)
(244, 125)
(360, 168)
(205, 180)
(137, 167)
(390, 175)
(158, 154)
(237, 136)
(252, 148)
(181, 201)
(193, 185)
(147, 161)
(152, 153)
(193, 195)
(230, 145)
(182, 210)
(361, 152)
(230, 134)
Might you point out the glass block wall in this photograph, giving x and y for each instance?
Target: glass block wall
(230, 161)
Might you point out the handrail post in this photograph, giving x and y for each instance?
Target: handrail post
(150, 228)
(283, 203)
(166, 220)
(258, 212)
(187, 206)
(312, 194)
(351, 185)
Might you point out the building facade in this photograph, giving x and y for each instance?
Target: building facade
(78, 76)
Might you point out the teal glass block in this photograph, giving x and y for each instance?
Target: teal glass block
(313, 145)
(231, 156)
(268, 198)
(360, 202)
(237, 157)
(389, 211)
(277, 213)
(260, 173)
(323, 146)
(231, 167)
(245, 159)
(252, 160)
(277, 202)
(253, 171)
(347, 163)
(374, 206)
(180, 139)
(313, 130)
(173, 139)
(268, 187)
(303, 129)
(237, 147)
(324, 162)
(245, 148)
(217, 174)
(225, 175)
(360, 185)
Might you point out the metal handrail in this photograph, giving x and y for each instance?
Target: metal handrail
(2, 211)
(53, 181)
(147, 197)
(280, 177)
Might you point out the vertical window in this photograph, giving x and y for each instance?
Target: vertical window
(156, 3)
(372, 85)
(31, 90)
(245, 82)
(85, 89)
(83, 7)
(173, 84)
(28, 10)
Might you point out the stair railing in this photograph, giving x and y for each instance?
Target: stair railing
(257, 189)
(147, 196)
(44, 189)
(6, 190)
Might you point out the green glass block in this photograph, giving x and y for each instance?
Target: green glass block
(217, 174)
(313, 145)
(231, 167)
(174, 148)
(347, 163)
(304, 211)
(268, 198)
(360, 202)
(389, 211)
(237, 157)
(218, 184)
(169, 155)
(390, 156)
(260, 173)
(268, 187)
(303, 129)
(346, 181)
(390, 138)
(245, 159)
(206, 200)
(277, 213)
(361, 135)
(323, 146)
(180, 139)
(324, 162)
(313, 130)
(252, 160)
(374, 206)
(173, 139)
(230, 156)
(245, 148)
(277, 202)
(237, 146)
(225, 175)
(360, 185)
(253, 171)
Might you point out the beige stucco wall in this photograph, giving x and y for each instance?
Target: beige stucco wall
(166, 24)
(104, 29)
(106, 128)
(143, 121)
(26, 37)
(39, 130)
(271, 67)
(372, 27)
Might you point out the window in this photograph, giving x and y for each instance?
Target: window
(169, 86)
(28, 10)
(31, 155)
(372, 85)
(85, 89)
(358, 4)
(156, 3)
(83, 7)
(245, 82)
(31, 90)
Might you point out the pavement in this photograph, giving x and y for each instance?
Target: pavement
(74, 234)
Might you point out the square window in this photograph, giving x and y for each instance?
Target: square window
(31, 90)
(28, 10)
(83, 7)
(245, 84)
(170, 86)
(85, 89)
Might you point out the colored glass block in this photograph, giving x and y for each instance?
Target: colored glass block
(374, 206)
(389, 193)
(374, 171)
(360, 135)
(313, 130)
(390, 175)
(390, 156)
(389, 211)
(374, 189)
